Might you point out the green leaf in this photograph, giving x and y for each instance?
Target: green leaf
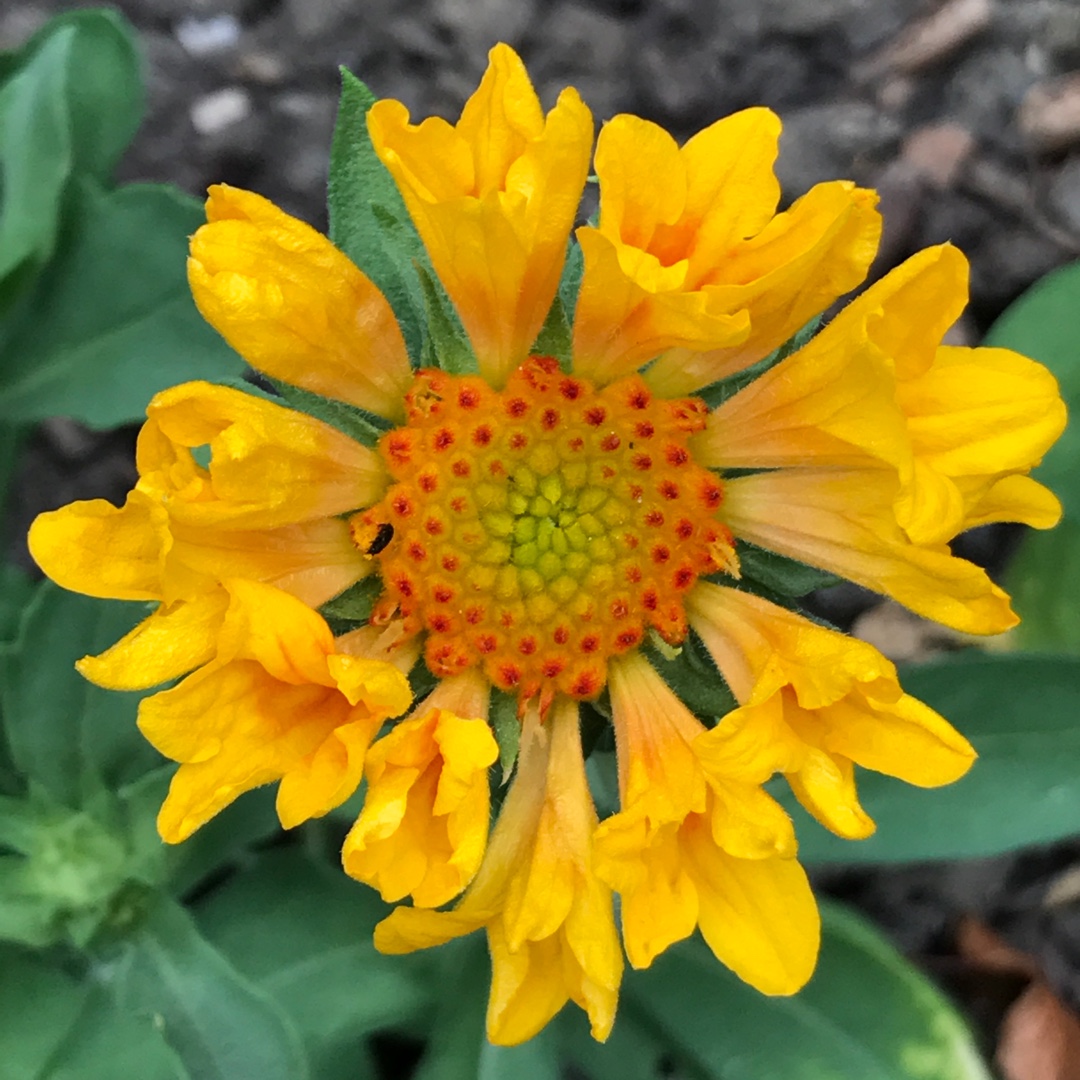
(223, 841)
(66, 734)
(457, 1024)
(103, 87)
(302, 932)
(1042, 324)
(16, 591)
(1044, 582)
(1020, 713)
(635, 1049)
(866, 1015)
(111, 321)
(219, 1024)
(38, 1006)
(105, 1044)
(35, 154)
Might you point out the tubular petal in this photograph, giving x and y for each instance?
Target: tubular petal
(758, 916)
(294, 306)
(761, 647)
(832, 402)
(842, 520)
(791, 271)
(101, 550)
(176, 639)
(493, 199)
(423, 828)
(314, 561)
(550, 921)
(269, 707)
(817, 700)
(269, 466)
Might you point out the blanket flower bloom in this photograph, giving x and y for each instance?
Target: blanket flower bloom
(559, 496)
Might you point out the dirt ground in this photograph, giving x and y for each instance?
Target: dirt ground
(965, 115)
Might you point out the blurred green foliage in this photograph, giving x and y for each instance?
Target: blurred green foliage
(246, 953)
(1044, 578)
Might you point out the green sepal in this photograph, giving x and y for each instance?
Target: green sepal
(368, 219)
(694, 678)
(353, 607)
(357, 423)
(506, 727)
(715, 394)
(775, 573)
(446, 346)
(555, 337)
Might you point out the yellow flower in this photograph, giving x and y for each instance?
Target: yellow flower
(535, 520)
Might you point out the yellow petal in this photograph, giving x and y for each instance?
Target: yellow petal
(284, 636)
(974, 413)
(294, 306)
(276, 704)
(905, 739)
(233, 728)
(314, 561)
(757, 915)
(424, 825)
(1010, 498)
(833, 402)
(499, 190)
(761, 647)
(102, 550)
(792, 270)
(913, 305)
(325, 777)
(270, 466)
(174, 640)
(550, 921)
(842, 520)
(631, 308)
(825, 786)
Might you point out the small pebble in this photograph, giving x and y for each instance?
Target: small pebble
(217, 111)
(206, 37)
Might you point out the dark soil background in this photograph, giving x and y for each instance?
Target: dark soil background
(965, 115)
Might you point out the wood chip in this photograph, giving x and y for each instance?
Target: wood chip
(929, 39)
(1049, 117)
(1040, 1038)
(939, 152)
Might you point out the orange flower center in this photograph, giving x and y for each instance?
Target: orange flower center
(540, 530)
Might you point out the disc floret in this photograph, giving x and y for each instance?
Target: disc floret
(542, 529)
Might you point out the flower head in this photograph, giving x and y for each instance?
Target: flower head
(549, 529)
